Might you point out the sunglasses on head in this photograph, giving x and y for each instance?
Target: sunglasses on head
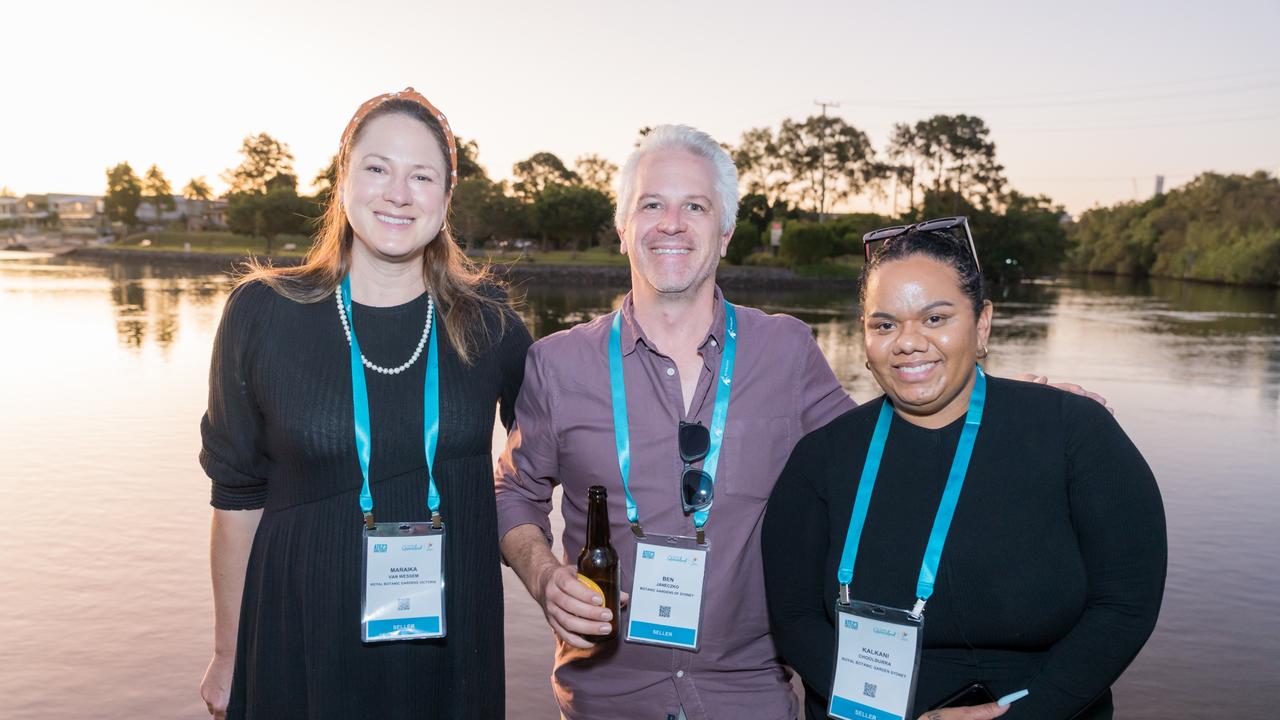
(696, 488)
(874, 240)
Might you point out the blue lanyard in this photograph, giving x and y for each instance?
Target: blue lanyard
(360, 402)
(946, 508)
(622, 428)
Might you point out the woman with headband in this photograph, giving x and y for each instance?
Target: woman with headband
(351, 406)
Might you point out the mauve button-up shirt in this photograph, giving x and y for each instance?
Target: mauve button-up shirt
(782, 389)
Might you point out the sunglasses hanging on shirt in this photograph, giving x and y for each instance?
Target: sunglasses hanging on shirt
(696, 487)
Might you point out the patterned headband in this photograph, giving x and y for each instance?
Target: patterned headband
(412, 96)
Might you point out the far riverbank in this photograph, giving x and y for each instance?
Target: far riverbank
(515, 271)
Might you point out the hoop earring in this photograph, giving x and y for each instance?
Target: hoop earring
(983, 352)
(867, 364)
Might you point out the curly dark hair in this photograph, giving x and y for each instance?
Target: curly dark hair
(941, 245)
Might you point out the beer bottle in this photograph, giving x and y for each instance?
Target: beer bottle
(598, 562)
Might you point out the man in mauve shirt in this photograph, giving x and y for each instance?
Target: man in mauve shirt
(677, 206)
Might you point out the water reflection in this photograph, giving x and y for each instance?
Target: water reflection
(1194, 370)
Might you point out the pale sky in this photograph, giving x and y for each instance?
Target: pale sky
(1087, 101)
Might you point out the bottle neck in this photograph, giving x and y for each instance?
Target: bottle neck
(597, 522)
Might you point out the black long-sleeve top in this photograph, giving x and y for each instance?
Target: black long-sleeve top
(1052, 573)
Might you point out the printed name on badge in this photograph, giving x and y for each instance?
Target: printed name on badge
(666, 594)
(404, 583)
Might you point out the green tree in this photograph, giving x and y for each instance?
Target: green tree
(325, 181)
(270, 214)
(198, 194)
(807, 243)
(746, 239)
(1024, 238)
(539, 171)
(959, 155)
(1222, 228)
(905, 158)
(482, 211)
(572, 215)
(826, 158)
(157, 191)
(754, 208)
(124, 195)
(760, 168)
(197, 189)
(265, 159)
(469, 159)
(595, 172)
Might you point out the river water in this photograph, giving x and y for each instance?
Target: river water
(104, 593)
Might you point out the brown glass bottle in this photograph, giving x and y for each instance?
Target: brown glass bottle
(598, 560)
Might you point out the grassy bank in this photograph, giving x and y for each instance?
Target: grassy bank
(218, 243)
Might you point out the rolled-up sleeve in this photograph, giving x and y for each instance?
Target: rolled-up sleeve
(232, 428)
(529, 467)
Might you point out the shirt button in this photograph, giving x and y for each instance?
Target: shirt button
(679, 673)
(671, 371)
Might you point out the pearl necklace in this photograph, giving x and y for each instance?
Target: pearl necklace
(422, 342)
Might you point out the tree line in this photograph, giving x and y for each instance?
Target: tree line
(794, 173)
(1221, 228)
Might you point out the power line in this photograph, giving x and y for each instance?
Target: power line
(1273, 73)
(1133, 176)
(1104, 100)
(1145, 126)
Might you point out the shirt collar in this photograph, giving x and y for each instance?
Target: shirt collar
(632, 333)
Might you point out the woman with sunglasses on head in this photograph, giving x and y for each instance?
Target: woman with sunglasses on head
(1003, 535)
(351, 411)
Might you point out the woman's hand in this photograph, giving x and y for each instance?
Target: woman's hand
(215, 688)
(976, 712)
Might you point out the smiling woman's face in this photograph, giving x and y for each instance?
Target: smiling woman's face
(922, 338)
(394, 193)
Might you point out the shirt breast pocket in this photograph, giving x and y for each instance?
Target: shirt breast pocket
(752, 457)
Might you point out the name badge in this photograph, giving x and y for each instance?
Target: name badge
(666, 593)
(403, 597)
(877, 658)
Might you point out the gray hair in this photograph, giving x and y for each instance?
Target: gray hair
(682, 137)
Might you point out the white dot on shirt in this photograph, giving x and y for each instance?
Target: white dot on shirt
(679, 673)
(671, 371)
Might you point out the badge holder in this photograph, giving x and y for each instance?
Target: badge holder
(666, 592)
(877, 662)
(403, 590)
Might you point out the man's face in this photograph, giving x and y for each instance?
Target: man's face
(673, 229)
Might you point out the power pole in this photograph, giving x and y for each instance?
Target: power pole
(822, 148)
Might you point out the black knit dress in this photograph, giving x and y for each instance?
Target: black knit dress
(279, 435)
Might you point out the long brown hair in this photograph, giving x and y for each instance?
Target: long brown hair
(451, 277)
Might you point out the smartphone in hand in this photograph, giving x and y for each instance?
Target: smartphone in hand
(975, 694)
